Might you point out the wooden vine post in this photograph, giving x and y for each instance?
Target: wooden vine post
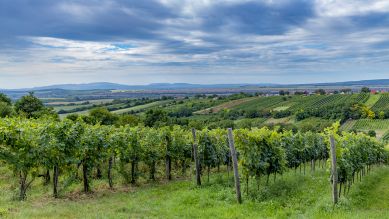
(196, 159)
(334, 172)
(235, 165)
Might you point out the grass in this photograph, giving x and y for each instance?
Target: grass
(285, 120)
(281, 108)
(71, 107)
(372, 100)
(98, 101)
(142, 107)
(292, 195)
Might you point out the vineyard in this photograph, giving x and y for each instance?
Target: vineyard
(369, 124)
(385, 138)
(330, 107)
(382, 104)
(259, 104)
(372, 100)
(277, 154)
(77, 151)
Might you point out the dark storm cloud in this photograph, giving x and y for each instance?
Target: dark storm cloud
(185, 36)
(259, 17)
(96, 20)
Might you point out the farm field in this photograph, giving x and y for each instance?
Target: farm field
(292, 103)
(382, 103)
(292, 196)
(227, 105)
(211, 110)
(142, 107)
(386, 137)
(98, 101)
(372, 100)
(71, 107)
(368, 124)
(261, 103)
(380, 126)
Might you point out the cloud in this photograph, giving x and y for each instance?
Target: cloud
(82, 20)
(157, 40)
(258, 17)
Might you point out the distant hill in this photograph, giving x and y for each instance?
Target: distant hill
(173, 86)
(378, 82)
(114, 86)
(87, 86)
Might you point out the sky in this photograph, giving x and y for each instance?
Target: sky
(44, 42)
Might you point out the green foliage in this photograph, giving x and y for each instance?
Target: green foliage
(156, 118)
(371, 133)
(370, 124)
(5, 99)
(128, 119)
(27, 146)
(6, 110)
(355, 153)
(260, 152)
(19, 149)
(382, 104)
(151, 142)
(102, 116)
(365, 90)
(29, 105)
(320, 91)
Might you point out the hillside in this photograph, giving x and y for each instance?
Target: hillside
(162, 86)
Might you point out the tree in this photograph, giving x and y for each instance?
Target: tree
(155, 117)
(381, 115)
(102, 116)
(346, 90)
(365, 90)
(29, 105)
(128, 119)
(320, 91)
(5, 110)
(4, 98)
(72, 117)
(371, 133)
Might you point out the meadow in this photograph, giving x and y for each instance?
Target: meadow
(293, 195)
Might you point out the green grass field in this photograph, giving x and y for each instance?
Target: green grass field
(292, 195)
(71, 107)
(142, 107)
(372, 100)
(98, 101)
